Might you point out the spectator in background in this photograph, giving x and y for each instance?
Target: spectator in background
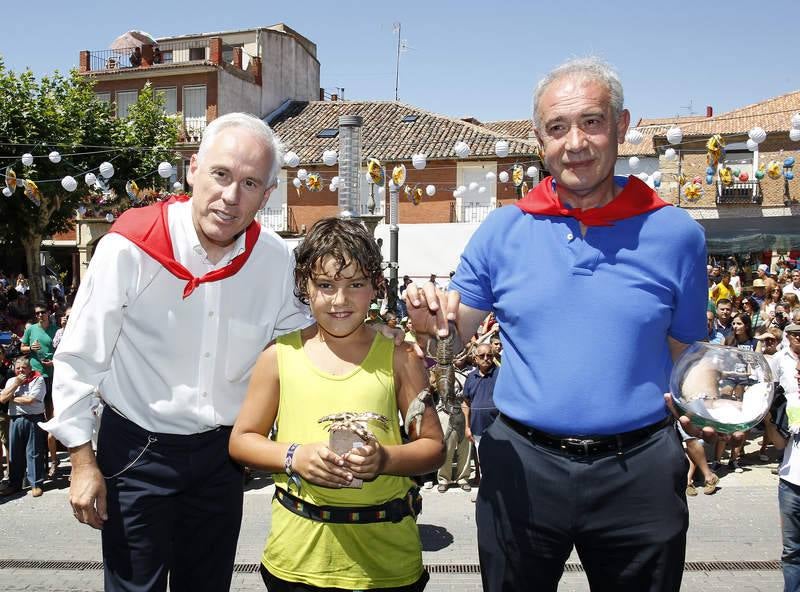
(793, 287)
(374, 314)
(763, 271)
(62, 324)
(22, 286)
(722, 290)
(158, 58)
(136, 57)
(713, 336)
(742, 335)
(497, 348)
(724, 317)
(6, 373)
(751, 308)
(760, 293)
(479, 408)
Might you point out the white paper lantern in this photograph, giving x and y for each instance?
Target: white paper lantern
(670, 154)
(69, 183)
(54, 157)
(329, 157)
(302, 174)
(456, 194)
(106, 170)
(752, 145)
(81, 210)
(657, 176)
(419, 161)
(461, 149)
(27, 159)
(177, 186)
(462, 188)
(643, 176)
(7, 191)
(481, 189)
(290, 159)
(332, 187)
(491, 176)
(165, 169)
(430, 190)
(473, 186)
(503, 176)
(674, 135)
(794, 134)
(757, 134)
(796, 121)
(633, 163)
(634, 137)
(336, 179)
(501, 148)
(90, 179)
(109, 217)
(532, 172)
(297, 182)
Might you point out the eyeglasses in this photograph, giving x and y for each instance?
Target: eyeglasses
(483, 356)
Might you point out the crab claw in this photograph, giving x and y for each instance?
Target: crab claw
(416, 409)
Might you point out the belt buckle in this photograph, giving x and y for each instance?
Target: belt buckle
(579, 443)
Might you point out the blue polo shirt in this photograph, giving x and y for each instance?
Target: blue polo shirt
(585, 320)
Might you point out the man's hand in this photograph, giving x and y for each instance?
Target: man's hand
(707, 433)
(368, 461)
(468, 435)
(318, 464)
(87, 489)
(430, 308)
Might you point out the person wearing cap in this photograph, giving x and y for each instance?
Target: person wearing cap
(584, 454)
(759, 291)
(374, 314)
(768, 341)
(763, 271)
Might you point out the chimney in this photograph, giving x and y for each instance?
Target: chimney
(85, 62)
(237, 57)
(215, 50)
(321, 94)
(709, 111)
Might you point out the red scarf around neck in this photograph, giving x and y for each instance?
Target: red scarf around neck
(148, 229)
(634, 199)
(32, 376)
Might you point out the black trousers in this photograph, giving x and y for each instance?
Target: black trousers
(174, 508)
(626, 515)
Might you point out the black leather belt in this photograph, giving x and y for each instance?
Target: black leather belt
(586, 445)
(392, 511)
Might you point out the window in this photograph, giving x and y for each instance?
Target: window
(328, 132)
(194, 110)
(170, 99)
(166, 56)
(409, 119)
(197, 53)
(227, 52)
(103, 96)
(125, 98)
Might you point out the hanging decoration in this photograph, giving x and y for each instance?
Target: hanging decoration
(430, 190)
(177, 186)
(419, 161)
(399, 175)
(291, 159)
(54, 157)
(69, 184)
(774, 169)
(473, 185)
(692, 192)
(503, 176)
(633, 163)
(302, 174)
(634, 137)
(501, 148)
(109, 217)
(757, 134)
(744, 177)
(375, 171)
(760, 172)
(297, 183)
(32, 192)
(517, 175)
(796, 121)
(27, 159)
(133, 192)
(165, 169)
(414, 194)
(330, 157)
(670, 154)
(90, 179)
(532, 172)
(461, 149)
(106, 170)
(491, 176)
(794, 134)
(716, 148)
(752, 145)
(725, 175)
(674, 135)
(656, 177)
(788, 163)
(314, 182)
(11, 180)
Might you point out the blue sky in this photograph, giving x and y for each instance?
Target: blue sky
(467, 58)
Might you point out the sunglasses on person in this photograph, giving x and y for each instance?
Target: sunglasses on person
(38, 312)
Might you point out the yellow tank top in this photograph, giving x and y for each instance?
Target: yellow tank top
(350, 556)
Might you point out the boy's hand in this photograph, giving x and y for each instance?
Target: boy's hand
(368, 461)
(318, 464)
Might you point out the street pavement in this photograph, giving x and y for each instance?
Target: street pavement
(739, 523)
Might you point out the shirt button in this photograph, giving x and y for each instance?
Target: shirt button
(570, 236)
(207, 355)
(205, 394)
(210, 313)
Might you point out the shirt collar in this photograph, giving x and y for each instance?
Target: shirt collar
(186, 225)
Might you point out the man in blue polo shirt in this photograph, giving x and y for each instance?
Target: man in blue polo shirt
(584, 453)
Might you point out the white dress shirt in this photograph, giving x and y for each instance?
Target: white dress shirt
(169, 364)
(784, 368)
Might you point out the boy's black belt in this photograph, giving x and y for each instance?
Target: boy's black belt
(586, 445)
(392, 511)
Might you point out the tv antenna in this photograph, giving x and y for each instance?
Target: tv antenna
(402, 47)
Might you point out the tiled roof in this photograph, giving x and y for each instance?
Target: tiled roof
(651, 128)
(384, 135)
(513, 128)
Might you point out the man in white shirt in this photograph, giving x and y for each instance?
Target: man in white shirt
(178, 302)
(785, 359)
(793, 287)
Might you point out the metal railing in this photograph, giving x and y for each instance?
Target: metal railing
(110, 59)
(470, 212)
(278, 219)
(193, 128)
(739, 193)
(172, 52)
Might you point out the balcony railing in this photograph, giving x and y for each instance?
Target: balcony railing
(278, 219)
(110, 59)
(470, 212)
(739, 193)
(172, 52)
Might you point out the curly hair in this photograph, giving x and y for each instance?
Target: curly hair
(347, 241)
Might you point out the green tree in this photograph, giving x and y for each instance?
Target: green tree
(61, 113)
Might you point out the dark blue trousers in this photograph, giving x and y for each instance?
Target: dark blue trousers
(626, 515)
(174, 508)
(26, 450)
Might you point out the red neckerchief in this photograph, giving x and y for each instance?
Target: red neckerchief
(32, 376)
(634, 199)
(148, 229)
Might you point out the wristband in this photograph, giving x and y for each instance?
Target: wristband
(287, 466)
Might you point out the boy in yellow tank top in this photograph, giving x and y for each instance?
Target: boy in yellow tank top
(324, 534)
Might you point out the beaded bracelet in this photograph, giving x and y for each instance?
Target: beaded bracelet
(287, 465)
